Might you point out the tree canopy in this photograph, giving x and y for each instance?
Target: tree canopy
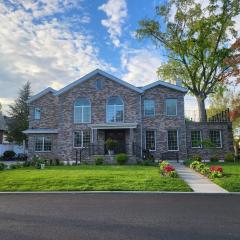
(196, 41)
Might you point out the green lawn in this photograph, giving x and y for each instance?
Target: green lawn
(89, 178)
(231, 180)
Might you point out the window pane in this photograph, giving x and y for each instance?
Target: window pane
(110, 114)
(115, 109)
(86, 114)
(98, 84)
(215, 137)
(196, 139)
(171, 107)
(86, 138)
(37, 113)
(38, 144)
(149, 107)
(77, 114)
(77, 139)
(150, 140)
(172, 140)
(47, 144)
(119, 113)
(82, 102)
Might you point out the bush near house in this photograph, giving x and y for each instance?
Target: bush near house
(9, 155)
(121, 158)
(229, 157)
(167, 170)
(98, 160)
(214, 159)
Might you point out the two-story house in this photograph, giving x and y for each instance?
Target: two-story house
(99, 106)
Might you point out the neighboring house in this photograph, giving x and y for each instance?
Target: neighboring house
(98, 106)
(3, 127)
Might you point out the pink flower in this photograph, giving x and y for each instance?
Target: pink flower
(168, 168)
(216, 169)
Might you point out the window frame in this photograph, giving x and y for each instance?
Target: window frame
(220, 135)
(82, 111)
(43, 144)
(82, 137)
(123, 105)
(35, 111)
(166, 107)
(176, 150)
(154, 108)
(155, 140)
(98, 84)
(200, 146)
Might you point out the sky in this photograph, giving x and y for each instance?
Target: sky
(54, 42)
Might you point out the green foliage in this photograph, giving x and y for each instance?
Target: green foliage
(121, 158)
(229, 157)
(2, 166)
(19, 116)
(214, 158)
(98, 160)
(196, 42)
(194, 164)
(196, 157)
(15, 166)
(9, 155)
(111, 144)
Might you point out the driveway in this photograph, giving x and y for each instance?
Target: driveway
(119, 216)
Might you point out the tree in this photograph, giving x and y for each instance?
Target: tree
(195, 42)
(19, 116)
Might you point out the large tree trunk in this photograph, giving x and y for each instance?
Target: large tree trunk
(201, 109)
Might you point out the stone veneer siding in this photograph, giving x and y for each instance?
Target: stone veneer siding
(162, 123)
(205, 127)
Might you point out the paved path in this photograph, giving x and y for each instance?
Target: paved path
(119, 216)
(196, 181)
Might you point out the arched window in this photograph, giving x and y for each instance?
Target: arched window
(82, 110)
(115, 109)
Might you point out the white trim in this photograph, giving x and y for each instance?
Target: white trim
(155, 139)
(41, 94)
(40, 131)
(220, 131)
(177, 141)
(106, 112)
(113, 125)
(200, 139)
(82, 135)
(93, 73)
(166, 107)
(154, 113)
(164, 84)
(43, 144)
(39, 111)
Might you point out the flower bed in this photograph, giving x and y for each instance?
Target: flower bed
(167, 170)
(204, 169)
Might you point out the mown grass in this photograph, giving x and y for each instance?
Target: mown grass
(89, 178)
(231, 179)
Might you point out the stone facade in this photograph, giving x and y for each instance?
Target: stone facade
(57, 112)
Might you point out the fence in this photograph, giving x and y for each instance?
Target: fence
(11, 147)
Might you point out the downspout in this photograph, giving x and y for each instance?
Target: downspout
(141, 121)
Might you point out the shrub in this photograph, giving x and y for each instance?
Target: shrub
(194, 164)
(214, 158)
(205, 171)
(99, 160)
(167, 170)
(27, 164)
(229, 157)
(216, 172)
(197, 157)
(2, 166)
(121, 158)
(15, 166)
(111, 144)
(200, 166)
(8, 155)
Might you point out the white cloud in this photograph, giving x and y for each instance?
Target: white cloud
(140, 65)
(116, 11)
(46, 53)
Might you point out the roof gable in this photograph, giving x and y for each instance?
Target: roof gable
(165, 84)
(93, 73)
(42, 93)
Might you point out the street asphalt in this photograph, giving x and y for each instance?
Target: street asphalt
(125, 216)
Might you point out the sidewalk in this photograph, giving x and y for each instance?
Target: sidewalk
(196, 181)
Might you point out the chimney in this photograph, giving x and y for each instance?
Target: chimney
(179, 82)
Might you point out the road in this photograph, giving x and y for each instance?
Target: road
(119, 216)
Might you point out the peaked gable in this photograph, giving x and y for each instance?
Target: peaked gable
(93, 73)
(42, 93)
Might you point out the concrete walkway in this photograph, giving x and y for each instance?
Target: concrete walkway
(196, 181)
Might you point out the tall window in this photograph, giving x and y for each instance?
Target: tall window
(172, 140)
(99, 84)
(171, 107)
(81, 139)
(151, 140)
(216, 138)
(149, 107)
(37, 113)
(82, 111)
(115, 109)
(196, 139)
(43, 144)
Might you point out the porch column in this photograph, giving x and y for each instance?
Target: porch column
(131, 141)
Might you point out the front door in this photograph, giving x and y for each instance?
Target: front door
(119, 136)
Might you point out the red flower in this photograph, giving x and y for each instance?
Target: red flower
(216, 168)
(168, 168)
